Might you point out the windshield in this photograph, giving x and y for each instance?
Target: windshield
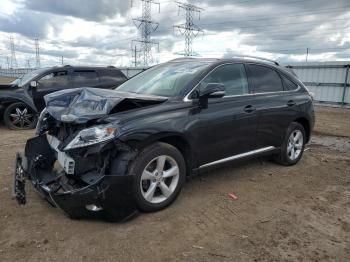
(164, 80)
(28, 77)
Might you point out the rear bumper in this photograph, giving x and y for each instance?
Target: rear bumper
(92, 195)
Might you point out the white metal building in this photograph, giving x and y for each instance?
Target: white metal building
(329, 81)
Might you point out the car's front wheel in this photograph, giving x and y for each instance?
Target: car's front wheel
(293, 145)
(19, 116)
(159, 175)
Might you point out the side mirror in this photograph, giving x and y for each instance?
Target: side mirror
(33, 84)
(213, 90)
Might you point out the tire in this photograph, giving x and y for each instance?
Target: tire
(19, 116)
(291, 152)
(149, 178)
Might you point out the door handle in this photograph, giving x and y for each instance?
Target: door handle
(249, 109)
(291, 103)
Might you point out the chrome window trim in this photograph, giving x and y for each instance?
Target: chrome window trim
(238, 156)
(186, 98)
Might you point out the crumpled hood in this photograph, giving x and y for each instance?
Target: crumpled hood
(80, 105)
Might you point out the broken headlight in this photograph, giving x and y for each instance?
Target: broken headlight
(93, 135)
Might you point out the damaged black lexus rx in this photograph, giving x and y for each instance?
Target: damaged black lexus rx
(108, 153)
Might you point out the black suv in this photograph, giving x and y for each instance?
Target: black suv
(23, 99)
(118, 151)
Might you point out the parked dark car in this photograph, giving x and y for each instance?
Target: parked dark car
(130, 149)
(23, 99)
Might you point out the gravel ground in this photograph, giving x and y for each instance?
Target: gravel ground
(298, 213)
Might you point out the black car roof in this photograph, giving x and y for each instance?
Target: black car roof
(218, 61)
(98, 68)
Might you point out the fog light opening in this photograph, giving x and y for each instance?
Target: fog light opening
(93, 207)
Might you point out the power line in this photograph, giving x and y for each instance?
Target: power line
(246, 20)
(189, 29)
(147, 26)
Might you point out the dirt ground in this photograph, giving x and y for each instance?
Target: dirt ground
(298, 213)
(5, 80)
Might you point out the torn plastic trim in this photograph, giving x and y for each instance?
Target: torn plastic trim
(66, 162)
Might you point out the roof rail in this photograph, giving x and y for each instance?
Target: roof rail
(181, 59)
(258, 58)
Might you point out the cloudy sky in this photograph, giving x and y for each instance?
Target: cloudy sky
(100, 31)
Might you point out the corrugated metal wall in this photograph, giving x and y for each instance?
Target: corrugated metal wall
(15, 73)
(329, 81)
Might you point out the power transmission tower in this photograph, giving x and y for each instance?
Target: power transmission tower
(37, 53)
(146, 26)
(189, 29)
(13, 61)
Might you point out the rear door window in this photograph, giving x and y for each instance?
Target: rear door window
(265, 79)
(85, 78)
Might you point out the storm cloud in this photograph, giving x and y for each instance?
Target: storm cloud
(95, 10)
(97, 30)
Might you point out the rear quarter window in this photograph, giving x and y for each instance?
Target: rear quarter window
(289, 85)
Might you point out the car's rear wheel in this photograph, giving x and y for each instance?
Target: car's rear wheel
(159, 175)
(293, 145)
(19, 116)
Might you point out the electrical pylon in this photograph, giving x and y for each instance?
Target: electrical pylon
(37, 53)
(143, 45)
(13, 61)
(189, 29)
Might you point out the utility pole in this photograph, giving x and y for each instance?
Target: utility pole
(37, 53)
(146, 26)
(28, 63)
(135, 57)
(307, 54)
(13, 60)
(189, 29)
(62, 60)
(8, 62)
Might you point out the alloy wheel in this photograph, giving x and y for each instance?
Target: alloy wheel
(21, 117)
(159, 179)
(295, 144)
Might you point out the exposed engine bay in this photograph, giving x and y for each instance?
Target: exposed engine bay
(76, 165)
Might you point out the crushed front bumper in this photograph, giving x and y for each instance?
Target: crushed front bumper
(91, 195)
